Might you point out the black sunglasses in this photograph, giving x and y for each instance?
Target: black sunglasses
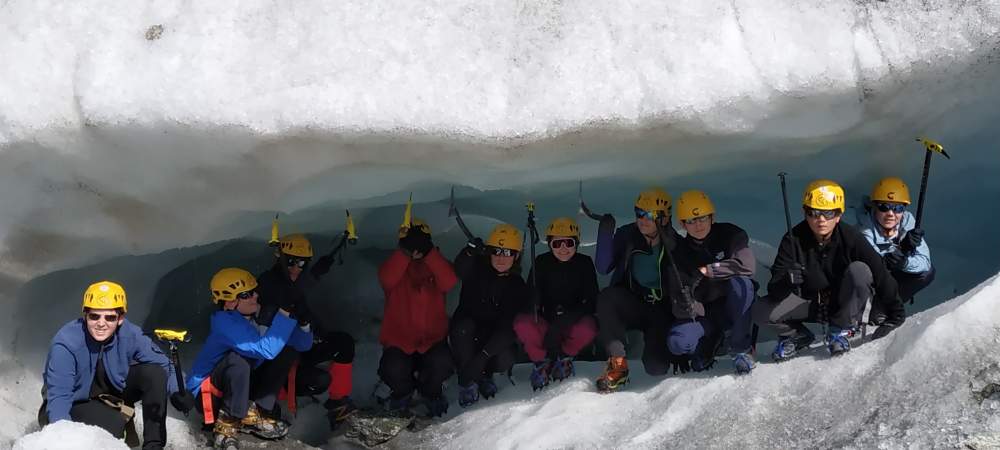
(297, 262)
(827, 214)
(94, 317)
(247, 294)
(897, 208)
(497, 251)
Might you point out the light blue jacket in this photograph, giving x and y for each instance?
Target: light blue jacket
(231, 332)
(916, 263)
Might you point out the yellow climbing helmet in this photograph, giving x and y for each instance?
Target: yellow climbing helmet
(419, 223)
(296, 245)
(563, 226)
(653, 200)
(228, 283)
(506, 236)
(694, 204)
(824, 194)
(105, 295)
(891, 189)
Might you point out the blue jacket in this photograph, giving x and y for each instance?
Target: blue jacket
(72, 361)
(918, 262)
(230, 331)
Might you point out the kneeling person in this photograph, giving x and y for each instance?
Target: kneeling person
(836, 272)
(242, 363)
(101, 364)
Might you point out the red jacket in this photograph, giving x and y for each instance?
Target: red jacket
(415, 317)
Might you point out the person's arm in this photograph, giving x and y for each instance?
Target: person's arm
(444, 274)
(886, 289)
(780, 285)
(245, 340)
(393, 270)
(741, 262)
(301, 338)
(588, 288)
(465, 263)
(920, 260)
(60, 376)
(609, 245)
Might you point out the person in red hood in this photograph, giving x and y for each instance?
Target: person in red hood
(414, 331)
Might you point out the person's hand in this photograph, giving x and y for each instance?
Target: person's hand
(182, 401)
(911, 241)
(703, 270)
(894, 260)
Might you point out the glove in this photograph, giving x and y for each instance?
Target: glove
(607, 225)
(894, 260)
(416, 241)
(476, 246)
(795, 275)
(911, 241)
(182, 401)
(678, 363)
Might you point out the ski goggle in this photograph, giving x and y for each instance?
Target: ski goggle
(897, 208)
(247, 294)
(94, 317)
(651, 215)
(695, 220)
(497, 251)
(559, 243)
(297, 262)
(827, 214)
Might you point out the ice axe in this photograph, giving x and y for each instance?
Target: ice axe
(172, 338)
(930, 147)
(453, 212)
(583, 206)
(274, 242)
(532, 240)
(349, 236)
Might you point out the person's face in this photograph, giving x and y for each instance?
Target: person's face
(647, 225)
(502, 259)
(699, 227)
(102, 323)
(245, 303)
(822, 222)
(888, 214)
(563, 247)
(294, 266)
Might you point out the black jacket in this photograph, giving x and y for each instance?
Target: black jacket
(725, 252)
(277, 289)
(824, 266)
(489, 298)
(564, 287)
(614, 252)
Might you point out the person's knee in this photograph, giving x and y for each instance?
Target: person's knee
(859, 274)
(584, 329)
(684, 338)
(149, 376)
(344, 344)
(236, 366)
(763, 313)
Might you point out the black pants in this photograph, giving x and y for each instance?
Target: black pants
(620, 310)
(481, 350)
(397, 369)
(239, 382)
(911, 283)
(337, 347)
(146, 383)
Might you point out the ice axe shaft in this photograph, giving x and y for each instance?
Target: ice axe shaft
(930, 148)
(453, 212)
(172, 338)
(583, 206)
(533, 239)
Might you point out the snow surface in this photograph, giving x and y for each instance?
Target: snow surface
(66, 435)
(152, 142)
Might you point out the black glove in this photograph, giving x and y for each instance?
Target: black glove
(183, 401)
(416, 241)
(607, 225)
(678, 363)
(913, 238)
(476, 246)
(795, 275)
(894, 260)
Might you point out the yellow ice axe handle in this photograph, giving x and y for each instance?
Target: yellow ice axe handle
(171, 335)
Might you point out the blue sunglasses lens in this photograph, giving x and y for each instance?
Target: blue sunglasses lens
(897, 208)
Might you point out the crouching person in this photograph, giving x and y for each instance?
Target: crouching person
(242, 365)
(99, 365)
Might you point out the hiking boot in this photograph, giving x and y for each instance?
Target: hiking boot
(468, 395)
(487, 388)
(743, 363)
(337, 411)
(436, 406)
(261, 426)
(837, 341)
(540, 375)
(562, 368)
(615, 375)
(398, 404)
(224, 432)
(789, 346)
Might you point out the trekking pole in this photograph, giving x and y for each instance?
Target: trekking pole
(788, 229)
(930, 147)
(172, 338)
(583, 206)
(532, 241)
